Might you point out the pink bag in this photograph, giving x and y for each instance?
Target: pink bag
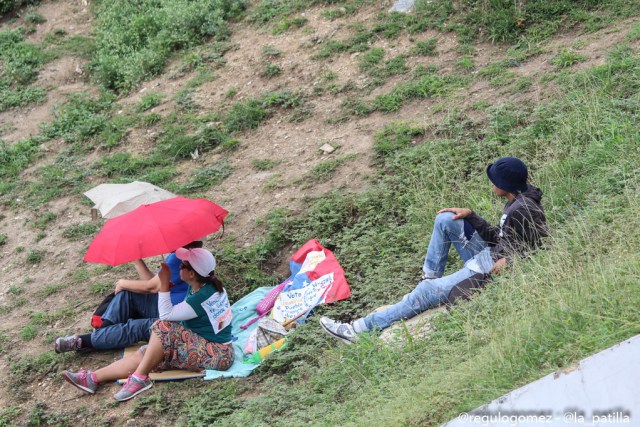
(264, 307)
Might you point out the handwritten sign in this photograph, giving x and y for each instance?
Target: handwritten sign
(218, 310)
(292, 303)
(312, 260)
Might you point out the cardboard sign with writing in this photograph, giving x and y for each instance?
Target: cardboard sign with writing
(293, 303)
(218, 310)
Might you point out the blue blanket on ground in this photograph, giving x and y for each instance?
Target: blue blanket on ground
(243, 310)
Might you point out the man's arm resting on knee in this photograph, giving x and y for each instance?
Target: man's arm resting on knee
(151, 286)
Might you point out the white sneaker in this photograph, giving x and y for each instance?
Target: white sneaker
(342, 331)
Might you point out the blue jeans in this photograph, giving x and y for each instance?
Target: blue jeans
(446, 232)
(429, 293)
(132, 315)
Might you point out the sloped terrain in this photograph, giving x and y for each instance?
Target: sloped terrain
(414, 108)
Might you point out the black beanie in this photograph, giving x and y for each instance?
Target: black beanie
(508, 174)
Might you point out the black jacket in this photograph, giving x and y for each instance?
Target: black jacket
(522, 225)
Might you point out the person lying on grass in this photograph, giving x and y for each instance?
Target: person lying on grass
(483, 248)
(131, 312)
(193, 335)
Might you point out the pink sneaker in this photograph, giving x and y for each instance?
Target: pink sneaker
(132, 387)
(84, 380)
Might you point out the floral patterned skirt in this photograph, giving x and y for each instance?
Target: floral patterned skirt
(184, 349)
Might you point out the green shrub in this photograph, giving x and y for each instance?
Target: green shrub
(396, 136)
(9, 5)
(80, 118)
(270, 51)
(3, 239)
(264, 164)
(15, 290)
(149, 100)
(20, 96)
(14, 158)
(45, 219)
(34, 17)
(184, 100)
(35, 256)
(425, 47)
(210, 405)
(177, 144)
(43, 363)
(101, 288)
(81, 231)
(466, 62)
(127, 165)
(51, 289)
(29, 332)
(504, 21)
(134, 40)
(204, 178)
(287, 23)
(271, 70)
(21, 60)
(245, 115)
(9, 414)
(567, 58)
(53, 180)
(325, 170)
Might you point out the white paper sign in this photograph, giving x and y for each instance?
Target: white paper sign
(218, 310)
(295, 302)
(312, 260)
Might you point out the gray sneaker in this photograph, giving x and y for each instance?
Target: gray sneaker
(84, 380)
(69, 343)
(132, 387)
(342, 331)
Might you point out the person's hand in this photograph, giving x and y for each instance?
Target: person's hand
(498, 265)
(119, 287)
(460, 213)
(165, 277)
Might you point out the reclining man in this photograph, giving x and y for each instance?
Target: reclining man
(484, 249)
(132, 311)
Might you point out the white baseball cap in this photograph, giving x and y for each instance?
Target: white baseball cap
(201, 260)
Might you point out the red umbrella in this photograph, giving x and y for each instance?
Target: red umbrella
(154, 229)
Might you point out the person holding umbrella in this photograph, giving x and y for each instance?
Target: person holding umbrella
(193, 335)
(131, 312)
(148, 230)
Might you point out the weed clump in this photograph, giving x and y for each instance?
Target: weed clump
(148, 101)
(203, 178)
(134, 40)
(21, 62)
(81, 231)
(567, 58)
